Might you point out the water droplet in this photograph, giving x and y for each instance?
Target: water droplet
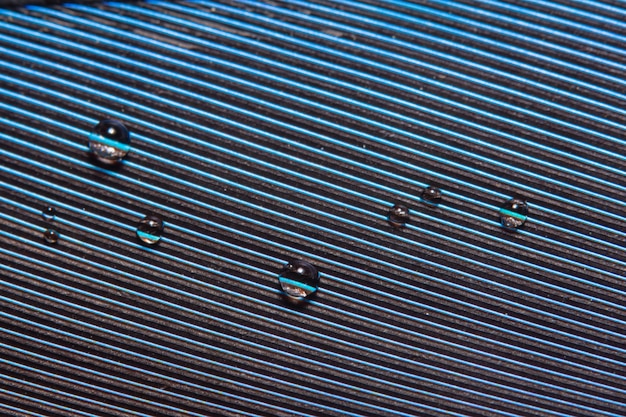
(298, 280)
(513, 214)
(431, 195)
(150, 229)
(109, 142)
(51, 236)
(398, 215)
(48, 213)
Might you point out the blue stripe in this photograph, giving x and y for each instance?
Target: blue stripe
(108, 142)
(497, 42)
(561, 214)
(152, 314)
(584, 207)
(519, 185)
(42, 373)
(569, 324)
(336, 248)
(101, 374)
(500, 34)
(352, 72)
(334, 278)
(298, 284)
(284, 201)
(544, 224)
(6, 407)
(549, 18)
(513, 214)
(585, 14)
(189, 356)
(343, 190)
(355, 224)
(396, 57)
(327, 277)
(325, 79)
(54, 406)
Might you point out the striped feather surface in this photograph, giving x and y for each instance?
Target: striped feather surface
(270, 131)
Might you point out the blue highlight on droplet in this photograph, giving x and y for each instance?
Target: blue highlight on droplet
(513, 214)
(123, 147)
(307, 288)
(109, 142)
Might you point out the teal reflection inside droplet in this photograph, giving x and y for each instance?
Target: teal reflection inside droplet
(308, 289)
(147, 237)
(124, 147)
(513, 214)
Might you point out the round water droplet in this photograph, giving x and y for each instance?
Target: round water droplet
(513, 214)
(298, 280)
(109, 142)
(150, 229)
(51, 236)
(398, 215)
(48, 213)
(431, 195)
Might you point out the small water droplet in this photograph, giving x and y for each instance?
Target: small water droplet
(109, 141)
(48, 213)
(398, 216)
(513, 214)
(51, 236)
(431, 195)
(298, 280)
(150, 229)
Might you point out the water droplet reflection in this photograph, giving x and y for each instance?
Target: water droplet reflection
(150, 229)
(513, 214)
(298, 280)
(51, 236)
(431, 195)
(48, 213)
(109, 142)
(398, 216)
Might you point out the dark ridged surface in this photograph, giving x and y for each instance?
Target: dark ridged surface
(264, 132)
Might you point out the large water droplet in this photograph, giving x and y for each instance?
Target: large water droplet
(398, 215)
(51, 236)
(150, 229)
(109, 142)
(48, 213)
(298, 280)
(513, 214)
(431, 195)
